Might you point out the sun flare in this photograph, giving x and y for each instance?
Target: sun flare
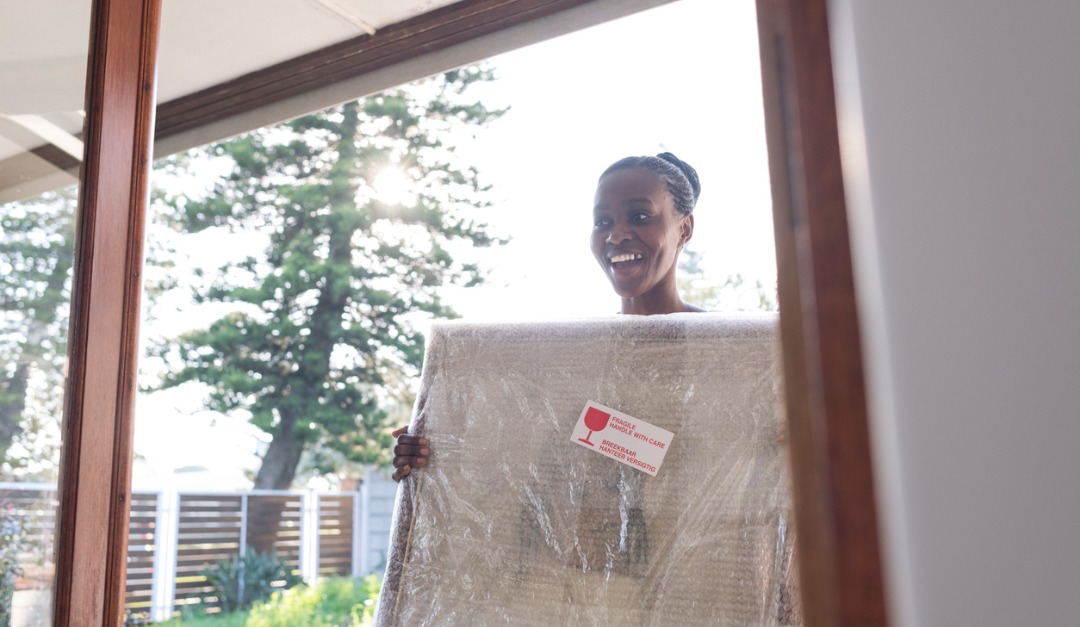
(393, 187)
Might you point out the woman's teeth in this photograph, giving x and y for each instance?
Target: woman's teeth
(626, 257)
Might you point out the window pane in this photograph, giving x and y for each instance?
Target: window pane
(260, 338)
(43, 51)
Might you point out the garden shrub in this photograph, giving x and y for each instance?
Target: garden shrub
(337, 602)
(12, 544)
(236, 619)
(239, 582)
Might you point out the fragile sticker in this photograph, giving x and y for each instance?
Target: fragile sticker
(622, 437)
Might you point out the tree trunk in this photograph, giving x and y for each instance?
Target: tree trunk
(278, 467)
(283, 456)
(279, 464)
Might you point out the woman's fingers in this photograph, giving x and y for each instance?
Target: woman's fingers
(410, 452)
(410, 456)
(410, 460)
(411, 446)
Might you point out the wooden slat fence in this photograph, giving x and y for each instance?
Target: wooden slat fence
(209, 527)
(336, 531)
(174, 536)
(142, 541)
(33, 511)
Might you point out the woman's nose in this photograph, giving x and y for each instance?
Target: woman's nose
(618, 235)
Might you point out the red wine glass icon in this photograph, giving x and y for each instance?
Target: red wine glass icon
(595, 420)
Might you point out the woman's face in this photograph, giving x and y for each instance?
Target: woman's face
(637, 233)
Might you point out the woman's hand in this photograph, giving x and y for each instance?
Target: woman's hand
(411, 452)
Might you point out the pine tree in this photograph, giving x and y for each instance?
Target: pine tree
(734, 294)
(36, 255)
(318, 341)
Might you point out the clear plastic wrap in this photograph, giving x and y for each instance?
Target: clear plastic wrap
(513, 523)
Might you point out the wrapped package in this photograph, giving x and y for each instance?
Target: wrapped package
(513, 521)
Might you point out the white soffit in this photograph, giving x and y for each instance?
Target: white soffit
(385, 12)
(43, 43)
(43, 46)
(472, 51)
(43, 50)
(207, 42)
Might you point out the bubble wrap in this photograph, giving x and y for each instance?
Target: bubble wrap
(512, 523)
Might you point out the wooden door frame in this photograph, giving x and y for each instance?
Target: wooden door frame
(825, 397)
(95, 467)
(837, 532)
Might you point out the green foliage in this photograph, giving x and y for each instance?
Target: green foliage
(239, 582)
(317, 343)
(329, 603)
(12, 544)
(233, 619)
(37, 242)
(36, 256)
(335, 602)
(733, 294)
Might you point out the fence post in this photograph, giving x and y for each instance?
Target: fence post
(359, 532)
(163, 586)
(243, 525)
(365, 522)
(309, 536)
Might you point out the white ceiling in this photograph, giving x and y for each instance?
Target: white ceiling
(43, 51)
(245, 35)
(43, 46)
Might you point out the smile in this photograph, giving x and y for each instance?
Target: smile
(626, 257)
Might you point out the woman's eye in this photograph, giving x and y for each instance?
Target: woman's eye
(639, 217)
(600, 223)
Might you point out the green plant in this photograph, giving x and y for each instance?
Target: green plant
(240, 582)
(315, 339)
(12, 544)
(337, 602)
(236, 619)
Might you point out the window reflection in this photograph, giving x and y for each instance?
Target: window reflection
(43, 51)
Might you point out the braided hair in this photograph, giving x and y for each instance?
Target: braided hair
(681, 179)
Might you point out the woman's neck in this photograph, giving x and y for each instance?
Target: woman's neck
(655, 304)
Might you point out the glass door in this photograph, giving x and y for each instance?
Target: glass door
(43, 54)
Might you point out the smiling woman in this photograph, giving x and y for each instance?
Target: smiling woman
(613, 97)
(642, 219)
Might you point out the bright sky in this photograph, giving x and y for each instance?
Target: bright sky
(683, 77)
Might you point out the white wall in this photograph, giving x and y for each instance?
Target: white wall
(961, 131)
(377, 495)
